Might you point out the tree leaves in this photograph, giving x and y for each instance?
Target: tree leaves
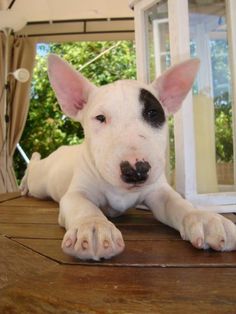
(46, 128)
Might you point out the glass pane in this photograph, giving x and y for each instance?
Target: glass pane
(156, 19)
(212, 96)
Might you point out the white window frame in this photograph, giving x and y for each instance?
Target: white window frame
(178, 16)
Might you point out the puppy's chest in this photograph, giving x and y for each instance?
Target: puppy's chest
(121, 201)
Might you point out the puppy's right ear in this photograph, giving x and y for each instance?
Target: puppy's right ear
(71, 88)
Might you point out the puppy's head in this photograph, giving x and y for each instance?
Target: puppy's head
(124, 122)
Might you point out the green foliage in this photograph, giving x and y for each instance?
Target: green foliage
(118, 63)
(223, 105)
(46, 127)
(171, 143)
(224, 133)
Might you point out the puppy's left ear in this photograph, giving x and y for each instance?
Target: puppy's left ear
(174, 84)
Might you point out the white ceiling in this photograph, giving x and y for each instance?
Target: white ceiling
(51, 10)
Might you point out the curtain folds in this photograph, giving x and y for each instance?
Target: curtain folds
(21, 55)
(2, 157)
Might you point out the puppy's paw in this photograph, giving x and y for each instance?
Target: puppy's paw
(207, 230)
(93, 238)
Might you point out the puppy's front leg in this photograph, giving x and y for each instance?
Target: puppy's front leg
(89, 233)
(201, 228)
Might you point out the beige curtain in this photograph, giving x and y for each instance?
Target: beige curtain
(21, 55)
(2, 47)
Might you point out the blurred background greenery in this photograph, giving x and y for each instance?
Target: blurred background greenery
(47, 128)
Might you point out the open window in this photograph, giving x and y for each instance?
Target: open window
(167, 32)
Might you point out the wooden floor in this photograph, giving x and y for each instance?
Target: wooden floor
(157, 272)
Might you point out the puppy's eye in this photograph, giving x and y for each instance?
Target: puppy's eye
(101, 118)
(152, 114)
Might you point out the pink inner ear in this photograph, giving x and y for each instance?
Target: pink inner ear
(174, 84)
(71, 87)
(69, 95)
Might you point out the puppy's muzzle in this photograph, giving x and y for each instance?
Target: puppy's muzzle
(134, 174)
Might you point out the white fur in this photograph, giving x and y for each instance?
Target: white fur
(85, 179)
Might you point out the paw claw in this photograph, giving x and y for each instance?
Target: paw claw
(120, 242)
(68, 243)
(93, 238)
(204, 230)
(222, 243)
(106, 244)
(199, 243)
(84, 245)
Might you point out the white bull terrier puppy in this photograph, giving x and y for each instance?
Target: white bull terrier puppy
(120, 164)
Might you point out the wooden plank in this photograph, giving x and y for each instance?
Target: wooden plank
(14, 214)
(90, 290)
(158, 231)
(29, 283)
(8, 196)
(31, 201)
(135, 219)
(31, 214)
(39, 231)
(16, 261)
(54, 231)
(142, 254)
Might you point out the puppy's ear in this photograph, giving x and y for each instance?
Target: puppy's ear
(71, 88)
(174, 84)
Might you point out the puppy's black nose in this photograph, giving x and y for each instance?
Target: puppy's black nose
(136, 174)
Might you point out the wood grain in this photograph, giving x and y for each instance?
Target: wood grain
(142, 253)
(32, 230)
(29, 202)
(30, 214)
(9, 196)
(157, 272)
(33, 284)
(54, 231)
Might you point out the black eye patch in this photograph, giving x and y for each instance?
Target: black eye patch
(152, 112)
